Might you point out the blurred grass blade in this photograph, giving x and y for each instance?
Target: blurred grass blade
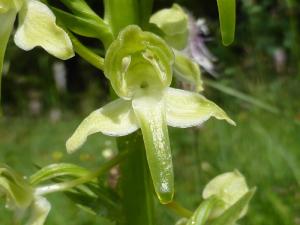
(57, 170)
(201, 214)
(102, 202)
(231, 215)
(227, 19)
(242, 96)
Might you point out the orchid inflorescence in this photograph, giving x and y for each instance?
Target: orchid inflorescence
(140, 64)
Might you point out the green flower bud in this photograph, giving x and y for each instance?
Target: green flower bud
(6, 5)
(174, 23)
(228, 188)
(138, 60)
(17, 191)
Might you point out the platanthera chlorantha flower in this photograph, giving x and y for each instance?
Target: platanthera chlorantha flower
(139, 67)
(174, 23)
(228, 188)
(36, 27)
(20, 196)
(183, 35)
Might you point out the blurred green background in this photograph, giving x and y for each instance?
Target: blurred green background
(41, 110)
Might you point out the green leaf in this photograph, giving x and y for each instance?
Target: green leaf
(85, 26)
(7, 21)
(82, 9)
(187, 109)
(201, 214)
(57, 170)
(114, 119)
(150, 111)
(102, 202)
(187, 70)
(232, 214)
(121, 13)
(37, 27)
(227, 17)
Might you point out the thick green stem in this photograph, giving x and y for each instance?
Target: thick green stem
(135, 183)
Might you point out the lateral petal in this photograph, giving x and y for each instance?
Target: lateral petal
(187, 109)
(114, 119)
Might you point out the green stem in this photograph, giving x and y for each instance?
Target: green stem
(64, 186)
(179, 209)
(135, 183)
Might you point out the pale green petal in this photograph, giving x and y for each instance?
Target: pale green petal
(115, 119)
(40, 210)
(187, 109)
(228, 188)
(38, 28)
(150, 113)
(7, 21)
(187, 70)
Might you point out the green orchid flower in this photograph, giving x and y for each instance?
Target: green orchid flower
(139, 67)
(228, 188)
(36, 27)
(174, 23)
(20, 196)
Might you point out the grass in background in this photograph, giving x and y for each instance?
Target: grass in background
(264, 147)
